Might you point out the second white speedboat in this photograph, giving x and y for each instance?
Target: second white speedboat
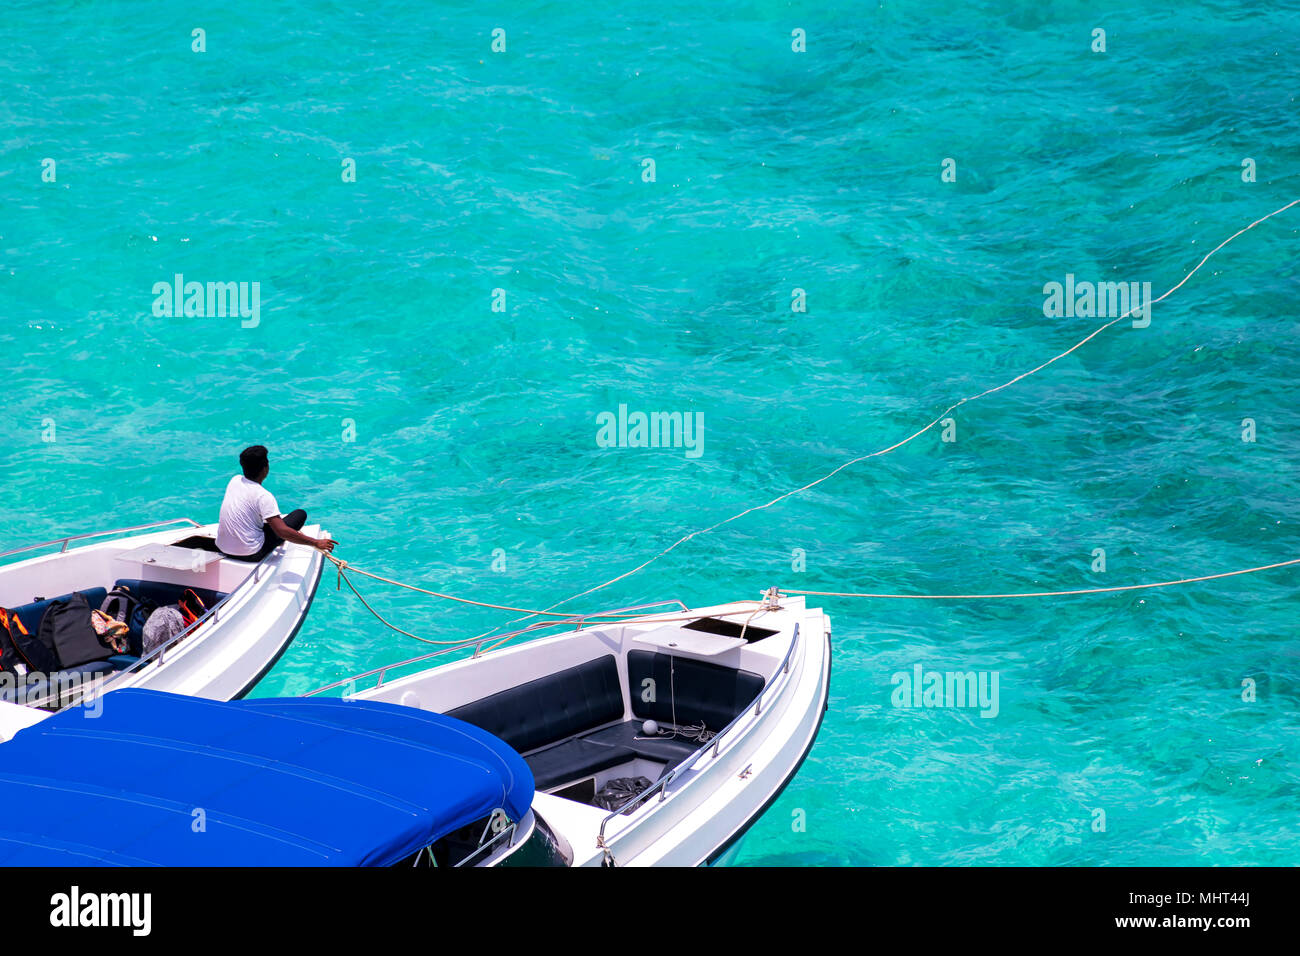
(657, 740)
(254, 610)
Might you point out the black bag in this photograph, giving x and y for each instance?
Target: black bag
(135, 638)
(620, 790)
(19, 647)
(120, 605)
(66, 630)
(140, 615)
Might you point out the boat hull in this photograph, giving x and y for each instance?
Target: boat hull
(697, 813)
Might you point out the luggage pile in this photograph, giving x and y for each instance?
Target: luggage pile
(73, 635)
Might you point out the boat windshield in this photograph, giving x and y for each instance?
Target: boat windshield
(477, 841)
(543, 848)
(464, 846)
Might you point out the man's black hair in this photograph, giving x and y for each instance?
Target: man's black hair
(253, 461)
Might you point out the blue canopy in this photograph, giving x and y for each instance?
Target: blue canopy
(160, 779)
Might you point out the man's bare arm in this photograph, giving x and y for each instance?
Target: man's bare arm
(288, 534)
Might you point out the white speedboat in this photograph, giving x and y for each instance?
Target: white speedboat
(658, 740)
(254, 610)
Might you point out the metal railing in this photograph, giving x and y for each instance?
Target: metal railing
(63, 542)
(507, 833)
(478, 642)
(714, 743)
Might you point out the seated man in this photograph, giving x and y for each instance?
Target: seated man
(251, 525)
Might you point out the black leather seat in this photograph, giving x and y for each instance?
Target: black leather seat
(552, 708)
(691, 690)
(545, 718)
(572, 760)
(670, 750)
(570, 725)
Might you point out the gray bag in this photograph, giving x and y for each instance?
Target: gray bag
(163, 624)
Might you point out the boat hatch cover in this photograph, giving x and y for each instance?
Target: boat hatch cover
(161, 779)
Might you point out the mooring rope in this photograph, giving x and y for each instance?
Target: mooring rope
(916, 434)
(569, 617)
(581, 620)
(342, 566)
(1035, 594)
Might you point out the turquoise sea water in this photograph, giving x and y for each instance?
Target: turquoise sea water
(475, 430)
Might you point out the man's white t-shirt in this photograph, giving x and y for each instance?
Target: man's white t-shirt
(245, 509)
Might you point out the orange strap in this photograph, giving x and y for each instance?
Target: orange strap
(191, 614)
